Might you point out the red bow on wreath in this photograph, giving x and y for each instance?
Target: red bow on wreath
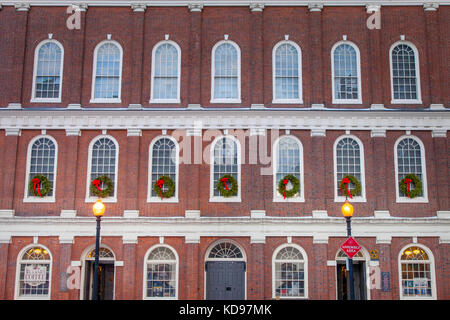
(407, 181)
(285, 182)
(160, 184)
(346, 181)
(96, 183)
(224, 180)
(36, 182)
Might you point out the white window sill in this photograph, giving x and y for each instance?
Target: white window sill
(336, 101)
(32, 298)
(164, 101)
(160, 298)
(42, 100)
(355, 199)
(39, 199)
(415, 101)
(287, 101)
(164, 200)
(105, 100)
(293, 199)
(413, 200)
(225, 199)
(225, 101)
(105, 200)
(417, 298)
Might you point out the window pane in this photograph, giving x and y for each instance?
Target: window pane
(103, 160)
(348, 161)
(404, 72)
(225, 161)
(286, 72)
(166, 72)
(226, 72)
(409, 160)
(43, 161)
(288, 161)
(345, 72)
(164, 162)
(48, 71)
(107, 80)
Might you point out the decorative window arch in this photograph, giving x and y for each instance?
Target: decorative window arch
(226, 73)
(163, 160)
(409, 156)
(225, 159)
(405, 73)
(48, 72)
(346, 73)
(289, 272)
(166, 70)
(417, 279)
(287, 72)
(161, 265)
(107, 72)
(103, 159)
(224, 250)
(34, 273)
(288, 159)
(348, 155)
(42, 159)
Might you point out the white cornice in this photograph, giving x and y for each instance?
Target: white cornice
(318, 121)
(149, 3)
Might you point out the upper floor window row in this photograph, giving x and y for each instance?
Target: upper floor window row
(226, 73)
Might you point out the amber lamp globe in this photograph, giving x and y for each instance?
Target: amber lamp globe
(98, 208)
(347, 209)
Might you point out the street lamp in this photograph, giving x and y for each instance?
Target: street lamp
(99, 209)
(347, 212)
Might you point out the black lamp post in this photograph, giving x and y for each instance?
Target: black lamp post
(347, 212)
(99, 209)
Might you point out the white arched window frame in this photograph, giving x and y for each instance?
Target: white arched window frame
(92, 198)
(292, 70)
(165, 71)
(234, 69)
(416, 273)
(111, 73)
(356, 64)
(401, 172)
(338, 197)
(289, 161)
(212, 196)
(165, 265)
(415, 77)
(42, 162)
(287, 279)
(48, 66)
(33, 273)
(170, 167)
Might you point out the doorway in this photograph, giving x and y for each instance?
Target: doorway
(105, 280)
(359, 280)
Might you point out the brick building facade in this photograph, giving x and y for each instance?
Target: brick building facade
(200, 79)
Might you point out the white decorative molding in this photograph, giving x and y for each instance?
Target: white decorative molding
(74, 106)
(256, 7)
(194, 106)
(195, 132)
(318, 133)
(441, 133)
(381, 214)
(138, 7)
(317, 106)
(75, 263)
(378, 133)
(118, 263)
(135, 106)
(192, 214)
(195, 7)
(402, 37)
(443, 214)
(14, 106)
(108, 36)
(257, 131)
(79, 7)
(257, 106)
(431, 6)
(66, 239)
(12, 132)
(130, 213)
(7, 213)
(384, 239)
(133, 132)
(192, 238)
(73, 132)
(289, 239)
(437, 106)
(319, 214)
(225, 36)
(377, 106)
(370, 8)
(257, 214)
(258, 239)
(22, 6)
(68, 213)
(331, 263)
(315, 7)
(320, 238)
(130, 239)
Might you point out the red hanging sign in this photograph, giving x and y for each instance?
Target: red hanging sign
(350, 247)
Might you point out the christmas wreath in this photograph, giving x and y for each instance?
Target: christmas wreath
(227, 186)
(40, 186)
(345, 190)
(283, 183)
(405, 186)
(164, 181)
(99, 192)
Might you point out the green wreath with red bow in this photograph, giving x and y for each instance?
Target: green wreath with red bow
(40, 186)
(344, 189)
(405, 186)
(167, 182)
(98, 182)
(227, 186)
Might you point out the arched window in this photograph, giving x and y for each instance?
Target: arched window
(48, 71)
(416, 268)
(346, 73)
(349, 160)
(226, 73)
(161, 273)
(166, 64)
(405, 75)
(107, 75)
(289, 272)
(410, 159)
(103, 161)
(225, 160)
(287, 74)
(288, 161)
(163, 162)
(225, 250)
(42, 160)
(33, 273)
